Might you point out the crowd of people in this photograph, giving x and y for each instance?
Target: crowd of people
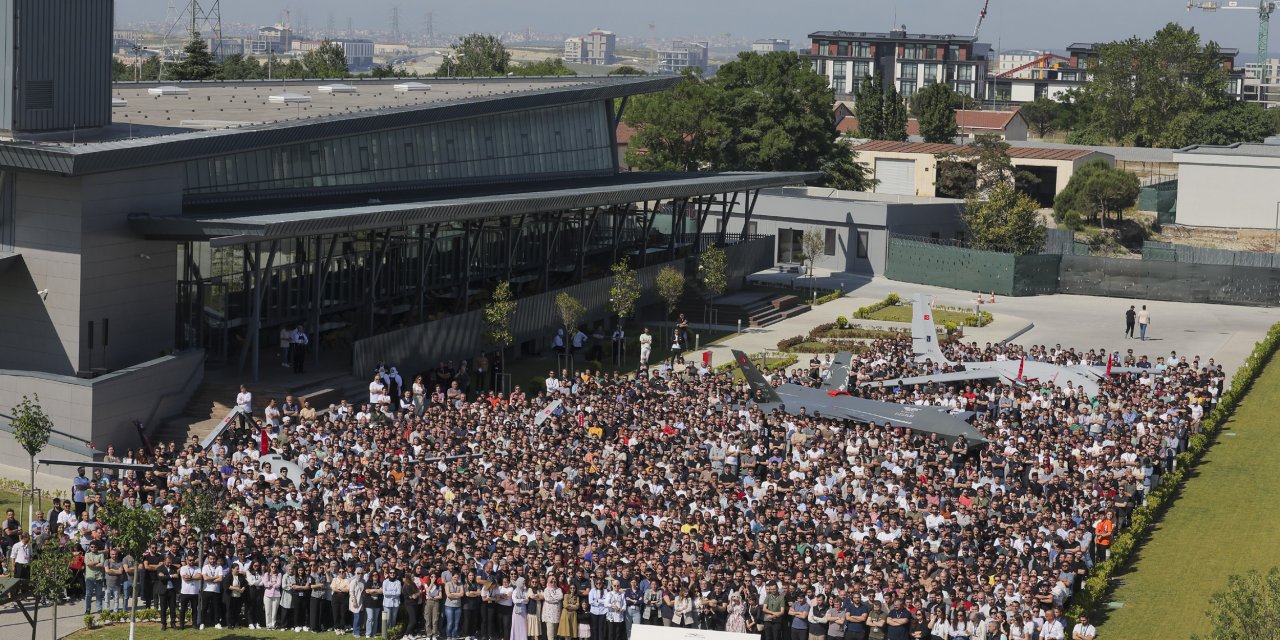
(664, 497)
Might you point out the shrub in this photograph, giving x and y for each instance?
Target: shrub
(1072, 221)
(889, 301)
(786, 344)
(834, 295)
(841, 322)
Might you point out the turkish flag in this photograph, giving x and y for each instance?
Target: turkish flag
(266, 442)
(836, 392)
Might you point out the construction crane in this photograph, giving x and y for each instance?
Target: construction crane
(1264, 8)
(982, 15)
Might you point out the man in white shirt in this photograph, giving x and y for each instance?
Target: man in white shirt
(1083, 630)
(20, 557)
(244, 402)
(211, 593)
(375, 389)
(299, 341)
(1052, 627)
(189, 593)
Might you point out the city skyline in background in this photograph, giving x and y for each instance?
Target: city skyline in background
(1009, 24)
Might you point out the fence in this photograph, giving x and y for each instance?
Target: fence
(1161, 276)
(1162, 198)
(1169, 252)
(970, 269)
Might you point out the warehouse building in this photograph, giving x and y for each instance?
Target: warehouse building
(1249, 172)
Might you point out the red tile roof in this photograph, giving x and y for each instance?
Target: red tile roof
(625, 132)
(849, 125)
(1029, 153)
(987, 120)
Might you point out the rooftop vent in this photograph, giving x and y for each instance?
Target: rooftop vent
(337, 88)
(119, 102)
(289, 98)
(412, 86)
(168, 90)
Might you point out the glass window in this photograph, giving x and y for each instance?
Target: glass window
(909, 71)
(861, 50)
(842, 49)
(908, 89)
(864, 240)
(829, 244)
(964, 72)
(861, 70)
(837, 73)
(930, 73)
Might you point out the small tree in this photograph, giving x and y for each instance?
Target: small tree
(713, 271)
(131, 528)
(202, 510)
(1095, 190)
(50, 573)
(328, 60)
(1041, 114)
(670, 284)
(813, 243)
(1247, 609)
(498, 315)
(624, 293)
(1007, 221)
(31, 428)
(868, 106)
(571, 312)
(895, 116)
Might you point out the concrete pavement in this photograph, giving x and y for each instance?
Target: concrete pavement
(1225, 333)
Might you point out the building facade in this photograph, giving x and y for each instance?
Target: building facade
(275, 39)
(575, 48)
(359, 52)
(1250, 173)
(1261, 82)
(770, 45)
(596, 47)
(684, 55)
(906, 61)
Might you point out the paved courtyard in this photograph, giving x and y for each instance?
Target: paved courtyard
(1225, 333)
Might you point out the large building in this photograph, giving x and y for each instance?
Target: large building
(596, 47)
(907, 61)
(1249, 173)
(1260, 87)
(684, 55)
(275, 39)
(183, 227)
(770, 45)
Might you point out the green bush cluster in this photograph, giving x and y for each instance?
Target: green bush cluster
(889, 301)
(1098, 582)
(834, 295)
(983, 318)
(95, 620)
(829, 330)
(841, 322)
(786, 361)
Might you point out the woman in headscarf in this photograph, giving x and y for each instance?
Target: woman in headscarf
(519, 610)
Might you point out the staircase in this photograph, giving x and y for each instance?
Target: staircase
(752, 308)
(212, 401)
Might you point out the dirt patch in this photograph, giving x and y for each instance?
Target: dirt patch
(1231, 239)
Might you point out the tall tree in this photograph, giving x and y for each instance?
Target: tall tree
(201, 509)
(1138, 87)
(894, 115)
(812, 243)
(1041, 114)
(1006, 221)
(936, 113)
(197, 62)
(476, 54)
(1236, 122)
(328, 60)
(677, 130)
(713, 271)
(868, 107)
(571, 313)
(841, 169)
(31, 428)
(978, 167)
(50, 574)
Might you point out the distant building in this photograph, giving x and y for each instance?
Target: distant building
(1006, 125)
(907, 61)
(274, 39)
(390, 48)
(359, 53)
(770, 45)
(1255, 89)
(596, 47)
(684, 55)
(575, 49)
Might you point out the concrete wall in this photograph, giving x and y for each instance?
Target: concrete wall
(926, 167)
(101, 410)
(136, 294)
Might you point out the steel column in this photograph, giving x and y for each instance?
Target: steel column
(251, 346)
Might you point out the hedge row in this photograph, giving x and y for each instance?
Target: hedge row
(1098, 582)
(834, 295)
(889, 301)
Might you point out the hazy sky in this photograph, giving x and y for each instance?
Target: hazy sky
(1045, 24)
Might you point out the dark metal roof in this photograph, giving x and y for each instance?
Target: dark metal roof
(9, 260)
(461, 204)
(116, 155)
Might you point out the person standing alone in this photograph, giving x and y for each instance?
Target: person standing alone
(1129, 318)
(1144, 319)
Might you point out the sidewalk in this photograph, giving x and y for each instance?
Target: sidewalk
(13, 625)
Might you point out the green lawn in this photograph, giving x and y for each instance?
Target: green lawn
(151, 631)
(902, 313)
(1224, 523)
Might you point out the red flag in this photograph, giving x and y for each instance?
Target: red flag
(1110, 360)
(1021, 364)
(266, 442)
